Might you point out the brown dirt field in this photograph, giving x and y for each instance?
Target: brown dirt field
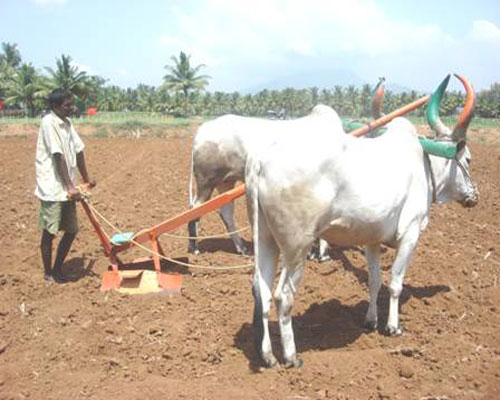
(72, 341)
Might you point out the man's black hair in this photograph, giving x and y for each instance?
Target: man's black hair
(57, 97)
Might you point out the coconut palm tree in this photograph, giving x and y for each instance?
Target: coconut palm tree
(10, 59)
(352, 105)
(10, 55)
(23, 88)
(146, 97)
(7, 73)
(68, 77)
(365, 99)
(183, 77)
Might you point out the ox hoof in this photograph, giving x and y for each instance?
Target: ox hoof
(393, 331)
(194, 250)
(243, 250)
(324, 258)
(296, 362)
(370, 326)
(270, 361)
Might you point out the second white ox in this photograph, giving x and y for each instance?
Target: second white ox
(219, 156)
(220, 150)
(350, 192)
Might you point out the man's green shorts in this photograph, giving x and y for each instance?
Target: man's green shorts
(58, 216)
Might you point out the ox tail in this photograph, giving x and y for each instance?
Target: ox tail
(252, 187)
(252, 172)
(191, 173)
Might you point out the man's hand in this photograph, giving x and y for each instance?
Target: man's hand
(92, 184)
(74, 194)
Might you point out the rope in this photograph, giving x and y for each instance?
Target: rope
(86, 194)
(207, 237)
(433, 178)
(228, 267)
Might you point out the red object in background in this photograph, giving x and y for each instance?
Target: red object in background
(92, 111)
(2, 104)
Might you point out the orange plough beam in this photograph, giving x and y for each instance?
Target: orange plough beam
(389, 117)
(151, 234)
(181, 219)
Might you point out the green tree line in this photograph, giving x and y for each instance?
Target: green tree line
(23, 87)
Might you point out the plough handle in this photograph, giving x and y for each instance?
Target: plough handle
(103, 237)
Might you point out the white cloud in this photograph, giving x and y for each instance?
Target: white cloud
(256, 40)
(267, 29)
(484, 31)
(302, 48)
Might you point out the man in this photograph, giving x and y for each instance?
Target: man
(59, 152)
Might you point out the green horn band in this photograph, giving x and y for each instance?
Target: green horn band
(440, 149)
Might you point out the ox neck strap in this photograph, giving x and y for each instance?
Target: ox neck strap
(433, 178)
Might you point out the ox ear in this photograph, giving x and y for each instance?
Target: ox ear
(442, 131)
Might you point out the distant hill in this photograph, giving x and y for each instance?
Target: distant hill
(323, 79)
(397, 89)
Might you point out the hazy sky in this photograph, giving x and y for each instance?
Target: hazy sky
(247, 43)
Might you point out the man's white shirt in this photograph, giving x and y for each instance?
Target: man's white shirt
(55, 136)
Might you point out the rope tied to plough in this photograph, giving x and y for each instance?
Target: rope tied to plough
(208, 237)
(86, 198)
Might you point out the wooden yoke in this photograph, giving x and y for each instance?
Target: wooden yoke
(389, 117)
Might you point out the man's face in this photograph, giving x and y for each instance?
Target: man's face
(65, 109)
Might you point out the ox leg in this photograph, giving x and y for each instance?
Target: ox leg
(313, 253)
(319, 251)
(227, 214)
(374, 282)
(192, 230)
(203, 193)
(265, 270)
(324, 254)
(405, 249)
(290, 278)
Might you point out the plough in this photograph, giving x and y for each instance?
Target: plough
(135, 277)
(147, 275)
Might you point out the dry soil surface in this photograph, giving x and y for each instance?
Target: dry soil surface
(72, 341)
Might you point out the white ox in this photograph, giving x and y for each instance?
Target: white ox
(350, 192)
(219, 155)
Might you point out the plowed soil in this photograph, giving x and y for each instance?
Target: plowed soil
(72, 341)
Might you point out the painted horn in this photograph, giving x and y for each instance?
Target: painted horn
(466, 116)
(378, 98)
(442, 131)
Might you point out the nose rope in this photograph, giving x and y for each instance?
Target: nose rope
(433, 178)
(472, 194)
